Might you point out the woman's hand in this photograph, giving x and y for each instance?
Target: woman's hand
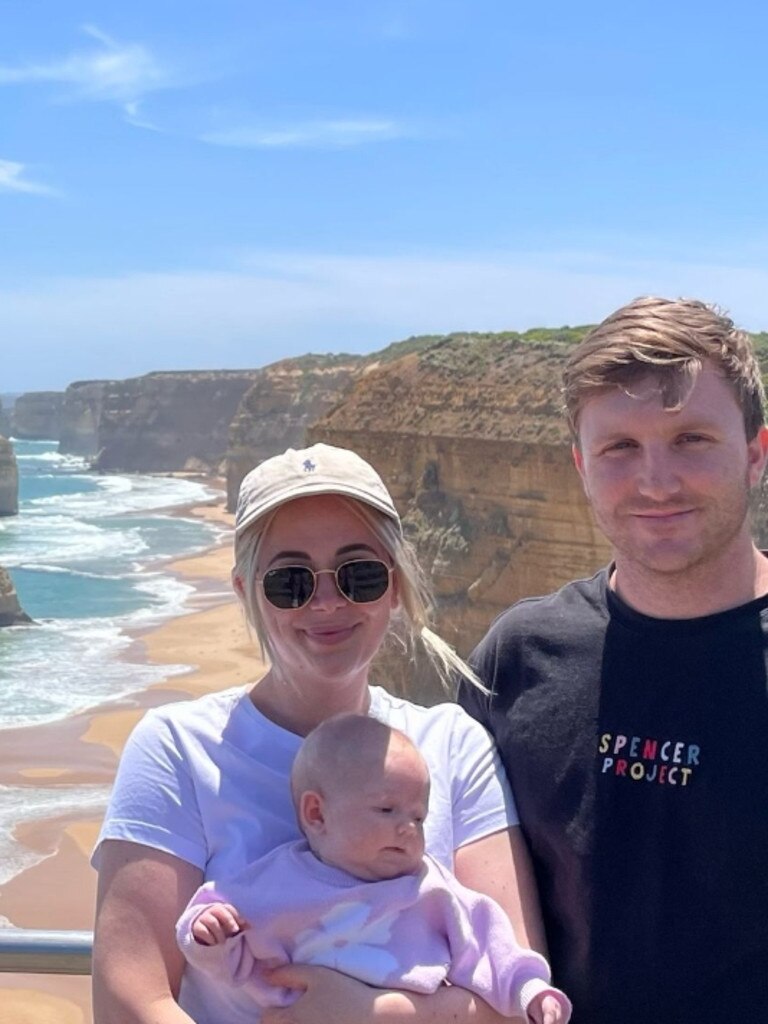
(329, 997)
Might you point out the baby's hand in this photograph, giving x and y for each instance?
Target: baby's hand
(545, 1009)
(217, 923)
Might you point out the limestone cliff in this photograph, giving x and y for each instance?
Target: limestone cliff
(9, 480)
(37, 416)
(80, 414)
(276, 411)
(169, 421)
(288, 396)
(470, 438)
(11, 612)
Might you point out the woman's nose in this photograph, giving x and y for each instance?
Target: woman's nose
(326, 593)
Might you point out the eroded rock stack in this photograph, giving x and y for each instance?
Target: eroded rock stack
(9, 480)
(5, 422)
(11, 612)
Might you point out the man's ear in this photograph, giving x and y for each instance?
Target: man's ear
(757, 456)
(237, 585)
(578, 461)
(311, 813)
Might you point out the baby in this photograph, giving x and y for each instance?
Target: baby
(359, 895)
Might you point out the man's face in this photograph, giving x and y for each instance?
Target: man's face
(670, 490)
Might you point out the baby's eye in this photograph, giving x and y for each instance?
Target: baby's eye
(386, 810)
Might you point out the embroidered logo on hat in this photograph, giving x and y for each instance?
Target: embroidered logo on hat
(309, 466)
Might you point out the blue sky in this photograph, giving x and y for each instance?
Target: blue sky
(189, 185)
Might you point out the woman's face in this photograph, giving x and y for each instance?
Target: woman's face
(329, 638)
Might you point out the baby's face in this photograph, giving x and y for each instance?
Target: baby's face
(374, 825)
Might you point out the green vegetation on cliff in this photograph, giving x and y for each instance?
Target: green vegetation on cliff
(465, 354)
(330, 360)
(472, 354)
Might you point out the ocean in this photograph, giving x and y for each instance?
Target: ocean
(88, 555)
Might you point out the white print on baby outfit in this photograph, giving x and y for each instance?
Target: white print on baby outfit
(640, 759)
(350, 939)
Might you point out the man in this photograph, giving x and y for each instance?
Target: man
(630, 709)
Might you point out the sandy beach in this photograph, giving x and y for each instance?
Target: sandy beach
(59, 891)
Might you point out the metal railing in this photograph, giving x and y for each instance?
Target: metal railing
(31, 951)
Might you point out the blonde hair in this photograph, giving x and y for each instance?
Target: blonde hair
(671, 340)
(410, 624)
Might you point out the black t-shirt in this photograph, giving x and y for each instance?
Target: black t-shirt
(637, 749)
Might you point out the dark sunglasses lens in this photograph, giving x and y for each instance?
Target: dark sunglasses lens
(289, 587)
(363, 581)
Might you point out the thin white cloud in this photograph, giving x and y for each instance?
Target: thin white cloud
(96, 33)
(12, 179)
(110, 72)
(280, 304)
(133, 116)
(323, 134)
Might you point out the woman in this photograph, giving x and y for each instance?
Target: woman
(323, 572)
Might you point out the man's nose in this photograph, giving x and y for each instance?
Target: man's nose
(658, 474)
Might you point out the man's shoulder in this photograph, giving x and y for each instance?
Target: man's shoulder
(571, 602)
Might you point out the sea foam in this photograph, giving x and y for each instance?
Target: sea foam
(86, 554)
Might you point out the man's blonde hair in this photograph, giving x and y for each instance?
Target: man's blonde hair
(670, 340)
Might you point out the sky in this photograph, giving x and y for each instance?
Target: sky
(190, 185)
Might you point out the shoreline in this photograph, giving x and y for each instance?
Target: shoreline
(59, 890)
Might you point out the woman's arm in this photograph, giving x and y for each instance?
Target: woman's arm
(333, 998)
(137, 966)
(496, 865)
(499, 866)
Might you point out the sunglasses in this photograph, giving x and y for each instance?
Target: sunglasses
(361, 581)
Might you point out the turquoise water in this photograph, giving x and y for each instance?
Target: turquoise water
(87, 556)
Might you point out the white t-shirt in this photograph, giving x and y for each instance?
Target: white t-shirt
(208, 781)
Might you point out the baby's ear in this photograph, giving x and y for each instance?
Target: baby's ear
(311, 812)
